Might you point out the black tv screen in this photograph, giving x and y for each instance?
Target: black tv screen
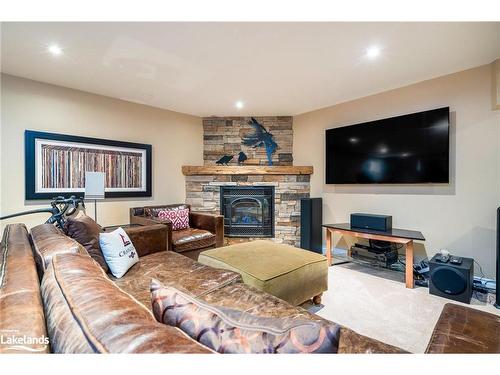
(406, 149)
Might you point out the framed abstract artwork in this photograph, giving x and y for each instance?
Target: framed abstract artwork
(55, 164)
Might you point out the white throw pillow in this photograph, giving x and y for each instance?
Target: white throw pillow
(118, 251)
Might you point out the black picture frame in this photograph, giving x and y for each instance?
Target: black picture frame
(30, 138)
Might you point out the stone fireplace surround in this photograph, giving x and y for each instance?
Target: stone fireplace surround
(291, 184)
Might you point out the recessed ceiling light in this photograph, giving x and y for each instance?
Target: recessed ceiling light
(239, 104)
(373, 52)
(55, 49)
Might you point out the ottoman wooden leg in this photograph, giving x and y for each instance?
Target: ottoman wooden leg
(317, 299)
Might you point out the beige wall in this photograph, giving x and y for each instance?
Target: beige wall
(495, 86)
(177, 139)
(459, 216)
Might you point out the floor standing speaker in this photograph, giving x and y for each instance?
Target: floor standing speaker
(311, 219)
(497, 302)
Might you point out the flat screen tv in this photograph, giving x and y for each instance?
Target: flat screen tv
(407, 149)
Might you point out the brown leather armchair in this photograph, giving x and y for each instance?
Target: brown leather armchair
(205, 230)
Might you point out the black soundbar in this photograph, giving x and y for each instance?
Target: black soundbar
(370, 221)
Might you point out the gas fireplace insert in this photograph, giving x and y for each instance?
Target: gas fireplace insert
(248, 210)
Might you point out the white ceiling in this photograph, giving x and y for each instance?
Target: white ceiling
(274, 68)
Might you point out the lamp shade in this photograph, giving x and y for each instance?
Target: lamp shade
(94, 185)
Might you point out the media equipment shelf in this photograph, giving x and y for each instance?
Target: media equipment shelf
(397, 269)
(401, 236)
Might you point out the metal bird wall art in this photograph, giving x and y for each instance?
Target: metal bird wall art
(242, 157)
(224, 160)
(260, 138)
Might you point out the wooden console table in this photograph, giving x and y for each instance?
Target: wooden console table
(402, 236)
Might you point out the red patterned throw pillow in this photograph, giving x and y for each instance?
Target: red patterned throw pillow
(179, 218)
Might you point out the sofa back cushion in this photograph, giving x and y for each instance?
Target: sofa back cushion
(87, 313)
(85, 231)
(21, 309)
(231, 331)
(49, 241)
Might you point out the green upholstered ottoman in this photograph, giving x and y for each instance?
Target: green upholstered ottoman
(289, 273)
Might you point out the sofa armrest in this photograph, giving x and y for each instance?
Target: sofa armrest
(149, 239)
(462, 329)
(351, 342)
(21, 308)
(137, 217)
(210, 222)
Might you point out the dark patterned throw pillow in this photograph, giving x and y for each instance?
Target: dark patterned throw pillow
(231, 331)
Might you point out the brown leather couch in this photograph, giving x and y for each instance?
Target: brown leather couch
(88, 311)
(205, 230)
(21, 308)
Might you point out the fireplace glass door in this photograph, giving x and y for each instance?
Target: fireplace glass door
(248, 211)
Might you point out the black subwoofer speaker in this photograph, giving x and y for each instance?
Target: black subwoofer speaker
(453, 281)
(311, 219)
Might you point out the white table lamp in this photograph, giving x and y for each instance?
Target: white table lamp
(94, 188)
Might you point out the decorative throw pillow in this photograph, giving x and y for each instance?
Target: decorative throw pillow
(118, 251)
(154, 211)
(179, 218)
(85, 231)
(230, 331)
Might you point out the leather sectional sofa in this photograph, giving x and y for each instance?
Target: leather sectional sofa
(81, 309)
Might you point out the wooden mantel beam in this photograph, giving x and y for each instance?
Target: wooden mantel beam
(192, 170)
